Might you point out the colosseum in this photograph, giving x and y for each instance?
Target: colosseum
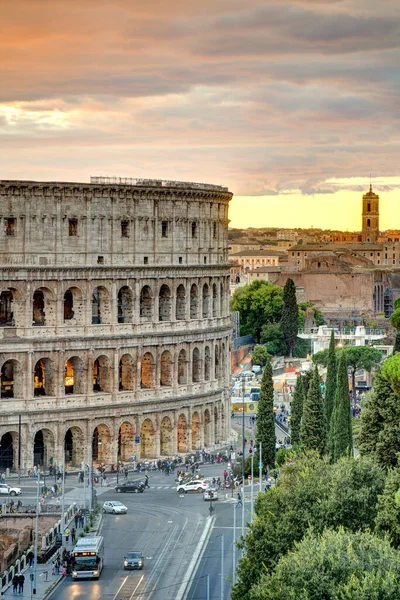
(114, 320)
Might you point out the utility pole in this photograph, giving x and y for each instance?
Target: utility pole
(243, 450)
(252, 489)
(19, 448)
(234, 546)
(260, 469)
(36, 534)
(84, 484)
(208, 586)
(90, 477)
(63, 504)
(222, 566)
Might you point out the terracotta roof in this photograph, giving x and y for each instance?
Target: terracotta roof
(358, 247)
(267, 269)
(259, 253)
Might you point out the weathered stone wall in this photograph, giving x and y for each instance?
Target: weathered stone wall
(127, 355)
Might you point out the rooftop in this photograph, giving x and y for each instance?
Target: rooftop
(340, 247)
(260, 253)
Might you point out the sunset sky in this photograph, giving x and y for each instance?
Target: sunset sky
(291, 104)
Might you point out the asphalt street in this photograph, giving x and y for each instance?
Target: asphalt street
(165, 526)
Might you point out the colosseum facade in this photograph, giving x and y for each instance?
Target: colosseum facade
(114, 320)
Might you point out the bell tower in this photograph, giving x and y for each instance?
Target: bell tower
(370, 216)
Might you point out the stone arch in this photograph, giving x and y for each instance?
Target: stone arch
(146, 303)
(74, 447)
(166, 368)
(43, 448)
(147, 439)
(207, 428)
(44, 380)
(214, 300)
(206, 301)
(164, 303)
(6, 308)
(196, 365)
(180, 308)
(182, 367)
(73, 308)
(223, 360)
(127, 373)
(207, 364)
(148, 371)
(166, 437)
(43, 307)
(216, 362)
(126, 440)
(194, 302)
(101, 444)
(195, 431)
(221, 299)
(125, 305)
(74, 377)
(101, 307)
(182, 434)
(216, 426)
(102, 374)
(8, 450)
(12, 381)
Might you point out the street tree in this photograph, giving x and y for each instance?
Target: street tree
(310, 492)
(272, 337)
(357, 357)
(379, 435)
(391, 372)
(265, 432)
(341, 436)
(297, 411)
(334, 565)
(258, 304)
(313, 428)
(331, 382)
(260, 355)
(290, 315)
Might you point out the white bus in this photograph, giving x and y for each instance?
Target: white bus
(88, 558)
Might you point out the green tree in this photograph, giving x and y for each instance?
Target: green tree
(395, 318)
(260, 356)
(335, 565)
(304, 309)
(313, 429)
(379, 436)
(272, 337)
(290, 315)
(331, 381)
(396, 347)
(258, 304)
(341, 427)
(266, 418)
(297, 411)
(391, 372)
(388, 517)
(310, 492)
(357, 357)
(307, 378)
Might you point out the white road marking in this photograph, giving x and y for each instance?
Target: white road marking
(120, 587)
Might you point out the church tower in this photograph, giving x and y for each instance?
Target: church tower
(370, 216)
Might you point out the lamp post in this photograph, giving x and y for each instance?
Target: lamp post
(243, 448)
(36, 534)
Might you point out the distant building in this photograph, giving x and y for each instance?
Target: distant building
(287, 234)
(269, 274)
(251, 259)
(370, 216)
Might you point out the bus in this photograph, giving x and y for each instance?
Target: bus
(88, 558)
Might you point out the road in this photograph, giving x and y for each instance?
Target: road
(165, 526)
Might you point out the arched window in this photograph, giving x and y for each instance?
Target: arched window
(125, 305)
(206, 297)
(39, 315)
(127, 370)
(194, 302)
(100, 306)
(216, 363)
(6, 309)
(74, 380)
(369, 207)
(44, 380)
(102, 376)
(215, 300)
(180, 312)
(164, 304)
(73, 305)
(166, 369)
(182, 367)
(368, 222)
(196, 365)
(148, 370)
(207, 363)
(146, 303)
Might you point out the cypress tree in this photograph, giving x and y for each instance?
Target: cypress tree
(396, 347)
(297, 411)
(290, 315)
(331, 381)
(341, 424)
(266, 418)
(312, 429)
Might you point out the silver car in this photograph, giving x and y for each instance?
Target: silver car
(133, 560)
(115, 507)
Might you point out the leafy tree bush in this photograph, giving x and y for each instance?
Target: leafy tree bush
(391, 372)
(357, 357)
(265, 432)
(388, 517)
(260, 356)
(272, 337)
(341, 438)
(259, 303)
(290, 315)
(297, 411)
(331, 382)
(312, 428)
(335, 565)
(395, 318)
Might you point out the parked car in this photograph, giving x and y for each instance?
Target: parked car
(115, 507)
(9, 490)
(210, 494)
(197, 485)
(130, 486)
(133, 560)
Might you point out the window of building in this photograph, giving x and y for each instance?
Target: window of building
(379, 253)
(124, 228)
(368, 222)
(100, 260)
(10, 225)
(214, 231)
(378, 261)
(146, 260)
(164, 229)
(180, 260)
(368, 207)
(298, 254)
(205, 260)
(292, 253)
(371, 254)
(73, 227)
(194, 230)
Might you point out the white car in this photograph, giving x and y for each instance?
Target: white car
(115, 507)
(197, 485)
(210, 494)
(9, 490)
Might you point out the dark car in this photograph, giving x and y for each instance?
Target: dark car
(133, 560)
(130, 486)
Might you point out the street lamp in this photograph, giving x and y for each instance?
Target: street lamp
(243, 447)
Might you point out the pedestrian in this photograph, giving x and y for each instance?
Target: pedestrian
(67, 534)
(146, 481)
(64, 570)
(30, 556)
(73, 534)
(76, 519)
(239, 501)
(225, 474)
(21, 581)
(15, 580)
